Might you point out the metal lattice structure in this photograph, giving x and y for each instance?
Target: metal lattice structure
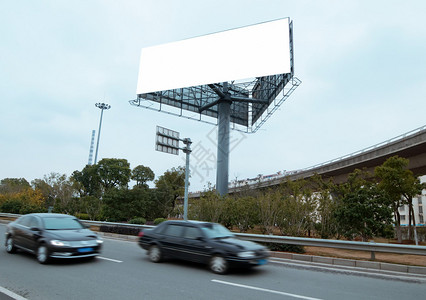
(241, 104)
(253, 101)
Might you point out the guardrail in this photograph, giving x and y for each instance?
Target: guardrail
(339, 244)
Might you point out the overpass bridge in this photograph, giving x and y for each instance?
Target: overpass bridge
(411, 145)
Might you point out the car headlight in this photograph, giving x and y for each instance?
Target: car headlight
(59, 243)
(246, 254)
(99, 240)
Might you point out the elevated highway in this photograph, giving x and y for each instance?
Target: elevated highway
(411, 145)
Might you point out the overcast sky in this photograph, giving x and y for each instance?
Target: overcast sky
(362, 65)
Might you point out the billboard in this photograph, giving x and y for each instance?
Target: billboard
(247, 52)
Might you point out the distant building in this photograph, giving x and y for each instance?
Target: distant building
(418, 202)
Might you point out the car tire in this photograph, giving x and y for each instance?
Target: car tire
(155, 254)
(218, 264)
(42, 254)
(10, 245)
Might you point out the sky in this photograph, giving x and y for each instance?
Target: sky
(362, 65)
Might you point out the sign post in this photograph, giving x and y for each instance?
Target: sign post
(168, 141)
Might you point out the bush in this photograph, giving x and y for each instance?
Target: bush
(284, 247)
(119, 229)
(12, 206)
(82, 216)
(139, 220)
(159, 220)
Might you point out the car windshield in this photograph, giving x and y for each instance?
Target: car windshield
(54, 223)
(212, 231)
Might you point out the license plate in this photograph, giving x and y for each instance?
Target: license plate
(82, 250)
(262, 262)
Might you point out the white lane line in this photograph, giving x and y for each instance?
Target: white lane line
(264, 290)
(110, 259)
(10, 294)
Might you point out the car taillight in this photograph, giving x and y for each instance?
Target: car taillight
(140, 234)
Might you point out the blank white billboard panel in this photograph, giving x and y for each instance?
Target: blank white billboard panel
(247, 52)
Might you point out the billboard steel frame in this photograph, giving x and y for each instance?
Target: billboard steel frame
(246, 104)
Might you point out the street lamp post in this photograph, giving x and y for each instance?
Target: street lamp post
(102, 106)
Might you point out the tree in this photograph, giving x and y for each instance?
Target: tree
(246, 212)
(400, 186)
(325, 221)
(88, 181)
(124, 204)
(362, 209)
(169, 187)
(269, 208)
(13, 185)
(209, 208)
(114, 173)
(142, 175)
(58, 190)
(22, 202)
(297, 208)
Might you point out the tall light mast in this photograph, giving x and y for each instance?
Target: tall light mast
(102, 106)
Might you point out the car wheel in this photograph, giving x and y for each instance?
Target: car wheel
(10, 247)
(218, 264)
(42, 254)
(155, 254)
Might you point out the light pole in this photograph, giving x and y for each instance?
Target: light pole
(102, 106)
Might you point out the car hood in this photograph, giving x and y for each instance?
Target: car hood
(72, 234)
(241, 244)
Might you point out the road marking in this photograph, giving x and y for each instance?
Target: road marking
(10, 294)
(110, 259)
(264, 290)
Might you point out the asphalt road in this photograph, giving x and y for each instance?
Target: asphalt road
(123, 271)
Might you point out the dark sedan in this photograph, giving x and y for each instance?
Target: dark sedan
(203, 242)
(52, 236)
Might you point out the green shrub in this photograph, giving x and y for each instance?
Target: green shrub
(12, 206)
(82, 216)
(139, 220)
(119, 229)
(159, 220)
(284, 247)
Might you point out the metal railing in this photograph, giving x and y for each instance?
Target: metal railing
(339, 244)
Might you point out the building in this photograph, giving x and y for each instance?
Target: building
(418, 208)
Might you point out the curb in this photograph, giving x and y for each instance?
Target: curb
(351, 263)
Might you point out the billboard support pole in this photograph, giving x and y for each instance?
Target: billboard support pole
(187, 151)
(224, 124)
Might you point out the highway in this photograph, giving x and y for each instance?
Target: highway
(123, 271)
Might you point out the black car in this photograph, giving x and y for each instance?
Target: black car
(52, 236)
(203, 242)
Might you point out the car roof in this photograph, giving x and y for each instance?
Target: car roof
(50, 215)
(188, 222)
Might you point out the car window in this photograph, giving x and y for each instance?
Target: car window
(173, 230)
(24, 221)
(33, 223)
(192, 233)
(59, 223)
(213, 230)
